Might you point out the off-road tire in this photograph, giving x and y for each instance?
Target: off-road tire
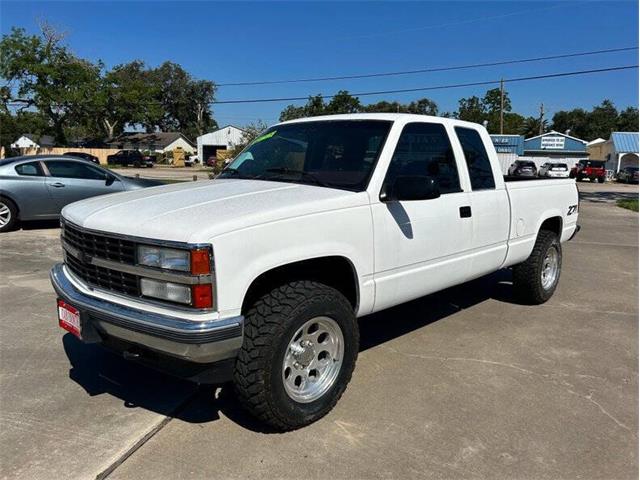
(13, 214)
(270, 323)
(600, 179)
(527, 276)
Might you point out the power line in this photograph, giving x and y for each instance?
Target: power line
(385, 92)
(435, 87)
(428, 70)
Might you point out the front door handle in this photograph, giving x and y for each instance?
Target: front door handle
(465, 212)
(57, 184)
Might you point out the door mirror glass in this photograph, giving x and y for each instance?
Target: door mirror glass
(414, 187)
(109, 180)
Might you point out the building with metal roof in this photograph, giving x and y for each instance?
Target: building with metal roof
(509, 148)
(620, 151)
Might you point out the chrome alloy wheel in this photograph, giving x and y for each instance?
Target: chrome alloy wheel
(550, 267)
(313, 359)
(5, 214)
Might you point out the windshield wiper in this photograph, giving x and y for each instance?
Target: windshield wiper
(280, 171)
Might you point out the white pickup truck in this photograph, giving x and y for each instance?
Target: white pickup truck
(259, 275)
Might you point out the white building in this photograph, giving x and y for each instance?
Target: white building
(224, 138)
(30, 140)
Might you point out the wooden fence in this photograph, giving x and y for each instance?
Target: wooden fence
(101, 153)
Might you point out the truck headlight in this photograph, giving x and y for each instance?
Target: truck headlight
(166, 258)
(173, 292)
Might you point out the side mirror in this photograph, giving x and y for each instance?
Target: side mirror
(109, 180)
(413, 187)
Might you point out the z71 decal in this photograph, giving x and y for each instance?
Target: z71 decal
(572, 209)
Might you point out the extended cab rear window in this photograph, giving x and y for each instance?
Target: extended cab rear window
(478, 164)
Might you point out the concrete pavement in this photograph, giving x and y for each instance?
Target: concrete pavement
(462, 384)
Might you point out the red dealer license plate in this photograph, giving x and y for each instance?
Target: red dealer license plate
(69, 318)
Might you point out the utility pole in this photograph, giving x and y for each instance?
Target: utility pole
(540, 132)
(501, 106)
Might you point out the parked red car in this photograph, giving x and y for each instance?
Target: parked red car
(591, 169)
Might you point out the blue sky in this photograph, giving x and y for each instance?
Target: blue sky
(237, 41)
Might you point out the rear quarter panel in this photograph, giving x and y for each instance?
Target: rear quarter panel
(30, 195)
(533, 202)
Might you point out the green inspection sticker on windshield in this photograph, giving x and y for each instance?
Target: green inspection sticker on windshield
(264, 137)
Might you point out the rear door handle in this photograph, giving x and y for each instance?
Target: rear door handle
(57, 184)
(465, 212)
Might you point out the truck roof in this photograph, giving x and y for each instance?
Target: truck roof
(385, 116)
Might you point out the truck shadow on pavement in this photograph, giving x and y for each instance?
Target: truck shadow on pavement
(99, 371)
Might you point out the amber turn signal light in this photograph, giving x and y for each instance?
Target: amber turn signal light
(200, 261)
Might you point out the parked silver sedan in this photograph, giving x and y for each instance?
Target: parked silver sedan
(37, 187)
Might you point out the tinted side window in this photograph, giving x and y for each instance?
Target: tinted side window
(424, 149)
(32, 169)
(478, 163)
(61, 168)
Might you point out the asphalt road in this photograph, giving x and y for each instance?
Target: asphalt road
(462, 384)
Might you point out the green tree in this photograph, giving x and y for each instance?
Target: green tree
(127, 97)
(342, 102)
(291, 112)
(576, 120)
(471, 109)
(12, 126)
(513, 123)
(185, 103)
(628, 120)
(602, 120)
(531, 127)
(424, 106)
(40, 72)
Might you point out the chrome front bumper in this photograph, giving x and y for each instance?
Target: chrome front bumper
(199, 342)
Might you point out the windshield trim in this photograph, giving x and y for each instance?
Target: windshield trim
(301, 180)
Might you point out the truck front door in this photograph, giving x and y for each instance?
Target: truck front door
(421, 246)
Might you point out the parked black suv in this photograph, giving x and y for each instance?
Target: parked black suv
(131, 157)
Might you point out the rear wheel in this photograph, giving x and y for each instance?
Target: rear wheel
(299, 351)
(535, 280)
(600, 179)
(8, 214)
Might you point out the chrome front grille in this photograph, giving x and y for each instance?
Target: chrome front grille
(101, 246)
(81, 246)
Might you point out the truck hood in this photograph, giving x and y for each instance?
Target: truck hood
(198, 212)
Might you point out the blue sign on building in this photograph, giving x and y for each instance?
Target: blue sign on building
(508, 144)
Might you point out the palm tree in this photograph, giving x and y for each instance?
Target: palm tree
(531, 127)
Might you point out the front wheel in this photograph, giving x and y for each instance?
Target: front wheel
(600, 179)
(535, 280)
(299, 351)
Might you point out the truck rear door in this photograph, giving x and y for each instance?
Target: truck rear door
(489, 202)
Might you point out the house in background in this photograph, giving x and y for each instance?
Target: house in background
(221, 140)
(160, 142)
(620, 151)
(555, 147)
(30, 141)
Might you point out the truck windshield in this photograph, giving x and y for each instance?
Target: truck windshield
(331, 153)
